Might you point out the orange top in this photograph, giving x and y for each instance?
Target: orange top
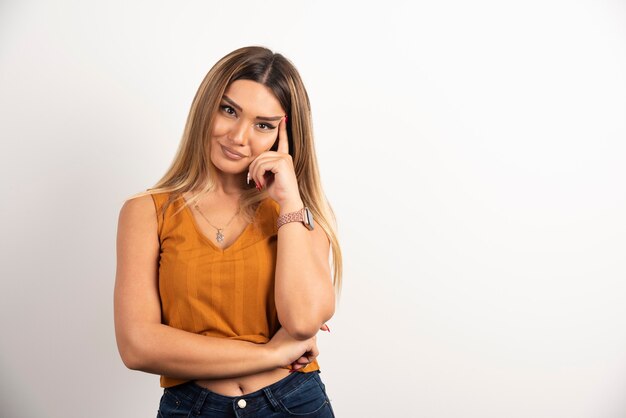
(220, 293)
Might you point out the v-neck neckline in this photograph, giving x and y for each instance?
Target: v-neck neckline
(207, 240)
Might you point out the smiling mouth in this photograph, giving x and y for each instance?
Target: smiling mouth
(232, 154)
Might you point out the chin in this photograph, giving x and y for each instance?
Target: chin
(230, 167)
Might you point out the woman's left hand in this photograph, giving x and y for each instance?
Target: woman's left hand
(305, 360)
(274, 171)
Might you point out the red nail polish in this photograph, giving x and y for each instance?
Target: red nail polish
(286, 118)
(327, 328)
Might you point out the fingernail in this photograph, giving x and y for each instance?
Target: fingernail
(248, 178)
(327, 328)
(286, 118)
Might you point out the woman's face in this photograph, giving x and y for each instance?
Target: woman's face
(246, 124)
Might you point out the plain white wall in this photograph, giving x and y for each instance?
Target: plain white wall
(474, 153)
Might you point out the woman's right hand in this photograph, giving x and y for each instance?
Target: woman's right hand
(297, 353)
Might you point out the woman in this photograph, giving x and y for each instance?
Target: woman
(223, 277)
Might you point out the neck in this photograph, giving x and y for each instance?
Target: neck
(230, 185)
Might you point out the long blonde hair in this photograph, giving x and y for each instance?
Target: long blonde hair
(192, 169)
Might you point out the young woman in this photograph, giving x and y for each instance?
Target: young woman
(223, 275)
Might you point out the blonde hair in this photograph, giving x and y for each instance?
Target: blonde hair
(192, 169)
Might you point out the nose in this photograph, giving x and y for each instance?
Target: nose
(238, 133)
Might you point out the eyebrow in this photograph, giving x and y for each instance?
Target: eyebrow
(236, 106)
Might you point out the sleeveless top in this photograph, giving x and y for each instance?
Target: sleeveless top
(225, 293)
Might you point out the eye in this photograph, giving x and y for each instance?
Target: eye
(228, 110)
(265, 126)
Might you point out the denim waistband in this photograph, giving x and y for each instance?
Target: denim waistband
(254, 401)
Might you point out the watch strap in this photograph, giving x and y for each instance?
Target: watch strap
(303, 215)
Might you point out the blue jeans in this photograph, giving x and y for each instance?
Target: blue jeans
(297, 395)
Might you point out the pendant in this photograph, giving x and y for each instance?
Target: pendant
(219, 237)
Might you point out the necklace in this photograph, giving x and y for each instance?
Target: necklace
(219, 236)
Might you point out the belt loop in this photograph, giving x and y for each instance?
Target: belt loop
(270, 397)
(197, 407)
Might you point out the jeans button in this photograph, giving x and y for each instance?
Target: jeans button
(241, 403)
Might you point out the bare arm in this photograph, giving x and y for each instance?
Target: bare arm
(304, 294)
(146, 344)
(305, 297)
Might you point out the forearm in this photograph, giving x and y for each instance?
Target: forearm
(303, 290)
(160, 349)
(304, 293)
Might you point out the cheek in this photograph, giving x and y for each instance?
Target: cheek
(220, 127)
(262, 144)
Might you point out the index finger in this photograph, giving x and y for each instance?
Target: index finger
(283, 139)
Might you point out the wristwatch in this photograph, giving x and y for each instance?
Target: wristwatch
(303, 215)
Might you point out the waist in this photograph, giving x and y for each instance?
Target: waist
(247, 384)
(282, 395)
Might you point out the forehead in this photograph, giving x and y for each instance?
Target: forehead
(254, 98)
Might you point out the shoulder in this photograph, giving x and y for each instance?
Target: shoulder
(148, 202)
(137, 233)
(144, 207)
(138, 209)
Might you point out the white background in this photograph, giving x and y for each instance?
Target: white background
(474, 153)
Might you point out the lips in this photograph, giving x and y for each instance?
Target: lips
(231, 153)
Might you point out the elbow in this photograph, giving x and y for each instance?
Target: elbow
(131, 353)
(130, 357)
(131, 361)
(303, 319)
(303, 329)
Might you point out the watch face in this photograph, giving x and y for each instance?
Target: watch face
(308, 219)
